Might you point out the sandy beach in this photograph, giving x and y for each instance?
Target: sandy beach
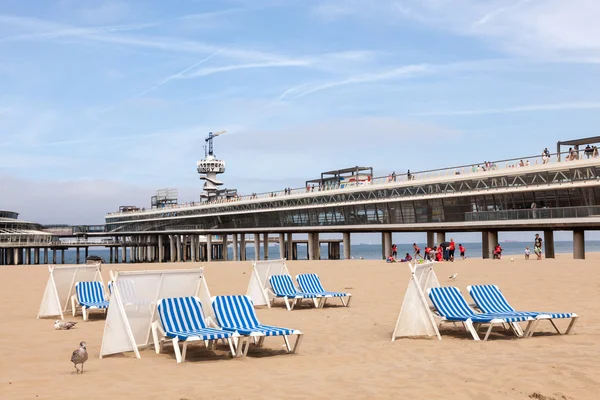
(346, 353)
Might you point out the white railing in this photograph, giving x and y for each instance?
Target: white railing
(462, 170)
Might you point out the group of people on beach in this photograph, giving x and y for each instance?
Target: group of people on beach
(443, 252)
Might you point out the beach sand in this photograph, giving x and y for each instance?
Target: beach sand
(346, 352)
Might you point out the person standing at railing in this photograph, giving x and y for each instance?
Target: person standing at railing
(545, 156)
(588, 151)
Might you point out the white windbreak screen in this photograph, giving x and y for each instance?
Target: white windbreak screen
(416, 318)
(132, 308)
(61, 286)
(259, 280)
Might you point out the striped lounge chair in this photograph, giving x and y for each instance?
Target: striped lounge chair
(490, 299)
(310, 283)
(452, 307)
(236, 314)
(88, 295)
(283, 287)
(182, 319)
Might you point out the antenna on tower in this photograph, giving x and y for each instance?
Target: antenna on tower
(209, 139)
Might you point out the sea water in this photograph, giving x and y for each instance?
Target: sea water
(364, 251)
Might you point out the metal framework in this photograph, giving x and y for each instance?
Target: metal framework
(455, 198)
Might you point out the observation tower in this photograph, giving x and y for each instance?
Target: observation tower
(208, 170)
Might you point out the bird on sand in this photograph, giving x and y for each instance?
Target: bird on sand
(58, 324)
(453, 276)
(79, 356)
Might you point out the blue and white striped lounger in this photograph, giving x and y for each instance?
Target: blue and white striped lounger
(490, 299)
(236, 314)
(88, 295)
(310, 283)
(452, 307)
(283, 287)
(181, 318)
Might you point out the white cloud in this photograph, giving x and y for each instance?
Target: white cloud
(404, 71)
(528, 28)
(215, 70)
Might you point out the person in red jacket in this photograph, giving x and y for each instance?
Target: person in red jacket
(439, 253)
(451, 249)
(498, 252)
(461, 248)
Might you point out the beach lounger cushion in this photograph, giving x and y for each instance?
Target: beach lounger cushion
(451, 305)
(283, 286)
(490, 299)
(182, 318)
(236, 313)
(310, 283)
(91, 294)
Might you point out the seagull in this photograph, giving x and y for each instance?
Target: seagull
(58, 324)
(79, 356)
(453, 276)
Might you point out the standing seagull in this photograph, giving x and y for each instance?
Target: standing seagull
(453, 276)
(79, 356)
(58, 324)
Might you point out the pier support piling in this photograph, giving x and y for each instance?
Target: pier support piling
(290, 253)
(347, 244)
(266, 246)
(430, 239)
(440, 237)
(549, 244)
(234, 243)
(282, 245)
(225, 248)
(243, 247)
(386, 244)
(209, 248)
(257, 246)
(579, 244)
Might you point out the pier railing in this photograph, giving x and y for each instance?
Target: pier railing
(534, 214)
(391, 179)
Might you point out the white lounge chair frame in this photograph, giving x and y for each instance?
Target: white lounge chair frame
(56, 300)
(160, 338)
(532, 327)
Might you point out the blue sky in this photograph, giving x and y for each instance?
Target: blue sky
(103, 102)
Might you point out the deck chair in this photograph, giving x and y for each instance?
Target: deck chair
(283, 287)
(88, 295)
(452, 307)
(236, 314)
(310, 283)
(182, 319)
(490, 299)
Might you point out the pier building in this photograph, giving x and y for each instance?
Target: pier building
(544, 193)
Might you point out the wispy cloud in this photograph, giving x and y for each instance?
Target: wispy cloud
(162, 82)
(74, 32)
(216, 70)
(404, 71)
(518, 109)
(48, 30)
(212, 14)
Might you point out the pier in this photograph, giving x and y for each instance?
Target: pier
(537, 193)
